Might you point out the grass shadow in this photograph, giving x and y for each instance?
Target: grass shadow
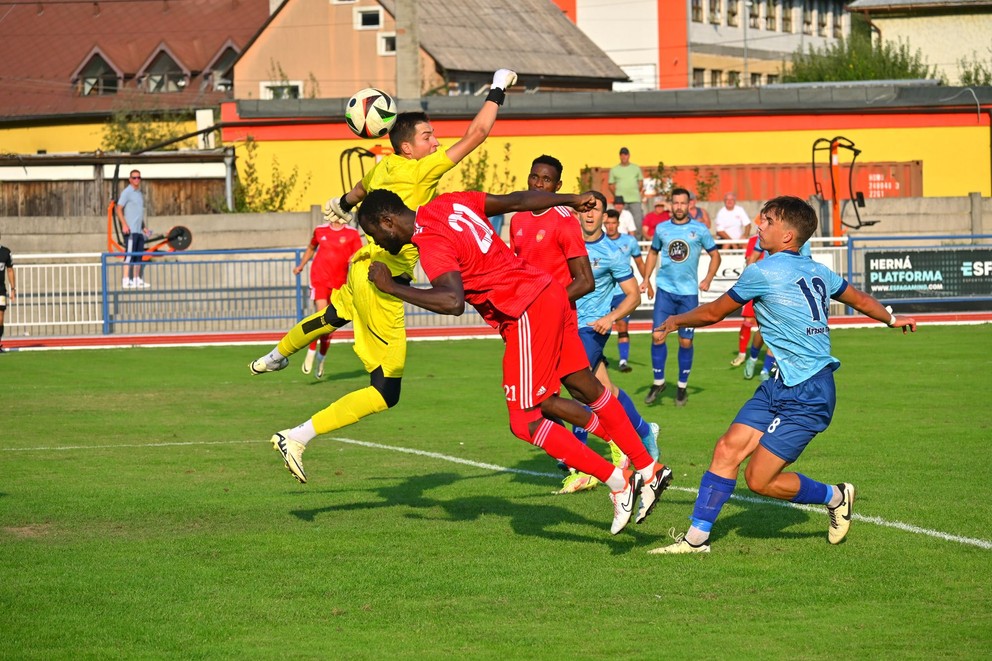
(532, 519)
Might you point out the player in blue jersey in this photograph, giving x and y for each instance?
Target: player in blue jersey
(597, 314)
(791, 295)
(629, 245)
(756, 253)
(680, 242)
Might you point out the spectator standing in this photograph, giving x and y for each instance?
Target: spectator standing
(732, 222)
(7, 294)
(626, 181)
(131, 214)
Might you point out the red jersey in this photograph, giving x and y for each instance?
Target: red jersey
(453, 234)
(334, 248)
(548, 240)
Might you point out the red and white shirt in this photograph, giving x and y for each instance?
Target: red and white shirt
(453, 233)
(335, 245)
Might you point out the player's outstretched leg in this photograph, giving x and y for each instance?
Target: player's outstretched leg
(292, 453)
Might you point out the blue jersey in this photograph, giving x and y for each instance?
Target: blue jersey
(791, 295)
(679, 246)
(609, 267)
(628, 245)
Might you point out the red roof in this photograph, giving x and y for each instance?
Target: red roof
(44, 43)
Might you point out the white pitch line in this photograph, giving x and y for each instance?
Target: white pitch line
(898, 525)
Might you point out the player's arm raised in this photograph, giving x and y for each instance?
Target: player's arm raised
(483, 122)
(446, 295)
(535, 200)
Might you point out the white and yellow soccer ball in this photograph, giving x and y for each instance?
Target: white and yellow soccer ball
(370, 113)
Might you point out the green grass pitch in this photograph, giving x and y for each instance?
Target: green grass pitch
(143, 515)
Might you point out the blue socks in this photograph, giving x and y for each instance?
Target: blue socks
(685, 364)
(714, 491)
(624, 348)
(635, 418)
(812, 492)
(659, 356)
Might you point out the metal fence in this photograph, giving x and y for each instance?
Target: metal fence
(255, 290)
(189, 292)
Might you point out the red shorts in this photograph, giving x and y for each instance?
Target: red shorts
(542, 346)
(320, 292)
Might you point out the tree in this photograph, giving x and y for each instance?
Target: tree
(135, 129)
(858, 58)
(477, 174)
(975, 71)
(251, 194)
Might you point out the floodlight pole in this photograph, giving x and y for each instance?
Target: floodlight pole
(747, 19)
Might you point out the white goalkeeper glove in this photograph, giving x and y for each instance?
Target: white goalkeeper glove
(334, 211)
(503, 79)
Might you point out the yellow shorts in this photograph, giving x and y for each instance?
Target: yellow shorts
(378, 319)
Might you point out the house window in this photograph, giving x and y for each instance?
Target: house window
(838, 24)
(386, 44)
(697, 11)
(715, 11)
(699, 77)
(163, 75)
(368, 18)
(772, 79)
(808, 17)
(771, 14)
(753, 13)
(732, 19)
(220, 71)
(97, 78)
(733, 78)
(787, 16)
(821, 20)
(281, 89)
(755, 80)
(716, 78)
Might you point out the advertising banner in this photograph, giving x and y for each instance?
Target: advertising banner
(953, 272)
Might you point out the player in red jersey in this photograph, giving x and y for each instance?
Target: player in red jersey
(333, 243)
(551, 239)
(466, 262)
(748, 323)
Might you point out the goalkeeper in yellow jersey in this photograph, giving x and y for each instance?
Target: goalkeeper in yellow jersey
(412, 172)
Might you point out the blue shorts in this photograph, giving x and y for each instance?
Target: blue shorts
(593, 343)
(791, 416)
(615, 303)
(666, 305)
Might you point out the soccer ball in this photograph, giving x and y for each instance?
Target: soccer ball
(370, 113)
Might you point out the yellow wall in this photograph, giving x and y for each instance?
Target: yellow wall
(955, 160)
(52, 139)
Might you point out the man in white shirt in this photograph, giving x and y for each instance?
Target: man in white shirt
(627, 223)
(732, 222)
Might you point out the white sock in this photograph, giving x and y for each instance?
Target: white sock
(274, 356)
(837, 498)
(647, 472)
(659, 383)
(683, 384)
(303, 433)
(616, 482)
(695, 536)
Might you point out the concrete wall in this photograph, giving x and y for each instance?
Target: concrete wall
(210, 231)
(908, 215)
(896, 216)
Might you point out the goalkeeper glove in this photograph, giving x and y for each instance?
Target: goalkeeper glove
(337, 209)
(502, 80)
